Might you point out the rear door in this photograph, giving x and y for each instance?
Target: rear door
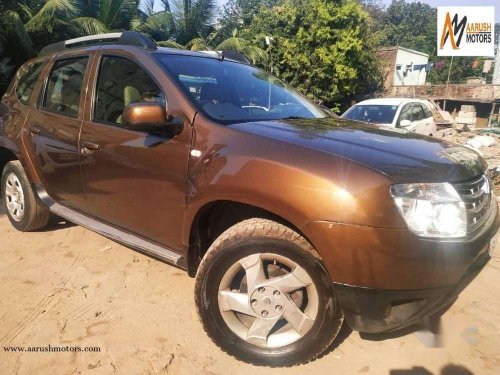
(17, 101)
(54, 128)
(133, 180)
(429, 119)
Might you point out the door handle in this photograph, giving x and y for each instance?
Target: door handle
(34, 130)
(88, 148)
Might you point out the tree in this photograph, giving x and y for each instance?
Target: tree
(102, 16)
(180, 21)
(237, 15)
(411, 25)
(321, 47)
(28, 25)
(461, 69)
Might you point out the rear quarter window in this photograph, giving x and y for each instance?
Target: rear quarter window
(27, 82)
(427, 111)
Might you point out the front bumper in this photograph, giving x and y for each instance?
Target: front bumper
(378, 310)
(396, 259)
(387, 279)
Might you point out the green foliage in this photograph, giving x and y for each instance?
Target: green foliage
(159, 26)
(461, 69)
(407, 24)
(321, 47)
(238, 15)
(254, 53)
(192, 18)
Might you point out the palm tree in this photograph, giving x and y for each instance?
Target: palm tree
(180, 20)
(235, 43)
(101, 16)
(28, 25)
(244, 46)
(34, 23)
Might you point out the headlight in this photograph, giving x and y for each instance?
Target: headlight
(431, 210)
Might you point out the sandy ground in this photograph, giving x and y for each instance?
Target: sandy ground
(67, 286)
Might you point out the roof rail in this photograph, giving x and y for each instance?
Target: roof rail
(128, 38)
(230, 55)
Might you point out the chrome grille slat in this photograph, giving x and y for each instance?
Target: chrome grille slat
(472, 198)
(478, 207)
(474, 183)
(477, 201)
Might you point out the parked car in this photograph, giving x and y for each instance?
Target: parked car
(289, 219)
(410, 114)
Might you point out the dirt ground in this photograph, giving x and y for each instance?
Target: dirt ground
(67, 286)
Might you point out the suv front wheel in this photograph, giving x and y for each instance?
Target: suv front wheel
(25, 212)
(264, 296)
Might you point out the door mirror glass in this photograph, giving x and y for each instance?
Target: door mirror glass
(146, 116)
(405, 123)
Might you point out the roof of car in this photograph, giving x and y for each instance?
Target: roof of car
(390, 101)
(135, 39)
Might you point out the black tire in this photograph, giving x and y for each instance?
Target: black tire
(258, 236)
(36, 215)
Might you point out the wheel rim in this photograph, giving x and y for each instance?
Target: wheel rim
(268, 300)
(14, 197)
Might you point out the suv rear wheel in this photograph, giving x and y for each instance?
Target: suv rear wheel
(24, 211)
(264, 296)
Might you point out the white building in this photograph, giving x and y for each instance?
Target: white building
(496, 71)
(403, 66)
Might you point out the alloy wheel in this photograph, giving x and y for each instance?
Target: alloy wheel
(268, 300)
(14, 197)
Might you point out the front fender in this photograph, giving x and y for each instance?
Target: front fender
(300, 185)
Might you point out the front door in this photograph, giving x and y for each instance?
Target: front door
(54, 129)
(133, 180)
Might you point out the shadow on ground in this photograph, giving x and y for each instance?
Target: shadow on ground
(450, 369)
(55, 223)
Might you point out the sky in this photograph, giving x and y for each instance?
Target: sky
(430, 2)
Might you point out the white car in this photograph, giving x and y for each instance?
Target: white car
(409, 114)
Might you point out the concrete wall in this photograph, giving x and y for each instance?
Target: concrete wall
(387, 58)
(479, 93)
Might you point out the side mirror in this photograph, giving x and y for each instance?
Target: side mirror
(146, 116)
(405, 123)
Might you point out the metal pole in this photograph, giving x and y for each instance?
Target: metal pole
(493, 105)
(449, 72)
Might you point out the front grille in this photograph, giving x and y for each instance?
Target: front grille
(476, 194)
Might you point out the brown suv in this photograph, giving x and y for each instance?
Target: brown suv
(290, 219)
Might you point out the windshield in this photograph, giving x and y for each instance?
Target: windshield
(229, 92)
(375, 114)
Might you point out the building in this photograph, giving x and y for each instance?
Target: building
(496, 71)
(403, 66)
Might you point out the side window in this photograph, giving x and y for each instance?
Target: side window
(427, 111)
(417, 113)
(405, 114)
(62, 94)
(27, 82)
(120, 83)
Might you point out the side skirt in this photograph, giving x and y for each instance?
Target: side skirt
(111, 232)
